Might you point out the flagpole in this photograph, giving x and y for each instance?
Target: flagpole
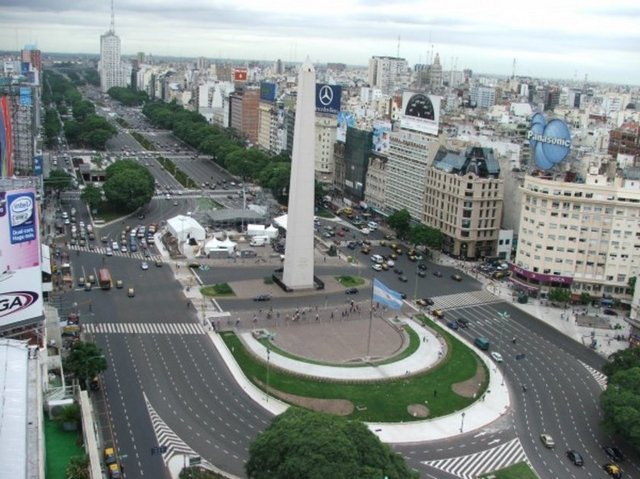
(370, 320)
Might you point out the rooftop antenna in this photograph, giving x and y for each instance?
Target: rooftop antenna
(398, 48)
(513, 71)
(113, 26)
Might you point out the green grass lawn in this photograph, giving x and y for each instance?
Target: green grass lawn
(517, 471)
(350, 281)
(381, 401)
(221, 289)
(60, 447)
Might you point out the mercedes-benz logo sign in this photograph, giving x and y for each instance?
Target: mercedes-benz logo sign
(326, 95)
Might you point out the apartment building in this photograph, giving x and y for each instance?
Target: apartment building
(325, 139)
(374, 193)
(464, 200)
(581, 235)
(387, 73)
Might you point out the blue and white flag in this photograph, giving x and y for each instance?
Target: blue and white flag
(383, 295)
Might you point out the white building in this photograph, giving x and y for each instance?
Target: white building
(111, 69)
(325, 138)
(579, 235)
(387, 73)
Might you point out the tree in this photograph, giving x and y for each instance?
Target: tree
(128, 185)
(85, 361)
(400, 222)
(78, 468)
(425, 235)
(621, 405)
(585, 298)
(621, 361)
(69, 417)
(92, 196)
(561, 295)
(58, 180)
(305, 444)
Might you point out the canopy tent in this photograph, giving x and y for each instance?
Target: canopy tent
(185, 227)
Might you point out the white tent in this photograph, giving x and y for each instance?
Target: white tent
(255, 230)
(214, 245)
(281, 221)
(185, 228)
(271, 232)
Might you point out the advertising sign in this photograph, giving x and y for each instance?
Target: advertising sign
(25, 96)
(37, 165)
(20, 273)
(24, 67)
(420, 112)
(550, 141)
(6, 145)
(240, 74)
(381, 136)
(328, 98)
(345, 120)
(268, 91)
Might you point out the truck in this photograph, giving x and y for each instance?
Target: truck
(104, 278)
(259, 241)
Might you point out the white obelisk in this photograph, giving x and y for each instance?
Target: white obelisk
(298, 254)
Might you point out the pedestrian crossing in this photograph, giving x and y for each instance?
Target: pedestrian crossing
(144, 328)
(166, 437)
(600, 378)
(103, 251)
(463, 300)
(473, 465)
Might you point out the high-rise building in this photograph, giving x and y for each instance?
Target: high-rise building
(435, 74)
(482, 96)
(464, 200)
(352, 159)
(387, 73)
(111, 69)
(325, 138)
(244, 113)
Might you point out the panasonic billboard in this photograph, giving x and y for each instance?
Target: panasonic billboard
(550, 141)
(20, 273)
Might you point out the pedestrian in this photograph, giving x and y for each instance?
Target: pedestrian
(424, 339)
(317, 317)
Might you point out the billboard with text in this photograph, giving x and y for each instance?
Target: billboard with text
(20, 273)
(420, 112)
(328, 98)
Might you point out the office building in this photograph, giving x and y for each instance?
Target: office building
(325, 138)
(111, 70)
(387, 73)
(579, 235)
(482, 96)
(352, 160)
(464, 200)
(244, 113)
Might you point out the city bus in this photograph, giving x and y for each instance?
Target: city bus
(104, 278)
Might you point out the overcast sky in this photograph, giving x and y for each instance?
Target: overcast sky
(556, 39)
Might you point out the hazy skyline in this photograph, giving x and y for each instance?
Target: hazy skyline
(568, 39)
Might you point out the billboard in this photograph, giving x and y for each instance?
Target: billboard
(420, 112)
(345, 120)
(328, 98)
(381, 135)
(268, 91)
(240, 74)
(6, 145)
(550, 141)
(25, 96)
(37, 165)
(20, 273)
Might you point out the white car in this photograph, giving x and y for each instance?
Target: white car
(497, 357)
(390, 262)
(114, 246)
(144, 265)
(376, 267)
(109, 252)
(123, 249)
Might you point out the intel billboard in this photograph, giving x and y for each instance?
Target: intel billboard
(550, 141)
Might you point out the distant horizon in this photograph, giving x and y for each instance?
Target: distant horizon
(572, 39)
(365, 66)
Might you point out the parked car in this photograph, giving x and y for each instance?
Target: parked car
(262, 297)
(351, 291)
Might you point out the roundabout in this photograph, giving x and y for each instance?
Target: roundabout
(419, 396)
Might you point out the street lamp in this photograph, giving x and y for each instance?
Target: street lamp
(268, 367)
(462, 423)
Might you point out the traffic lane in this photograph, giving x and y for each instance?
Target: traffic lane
(563, 401)
(241, 271)
(134, 434)
(194, 394)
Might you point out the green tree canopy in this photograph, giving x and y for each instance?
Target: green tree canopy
(85, 361)
(400, 222)
(92, 195)
(58, 180)
(307, 445)
(426, 236)
(562, 295)
(621, 404)
(622, 360)
(128, 186)
(128, 96)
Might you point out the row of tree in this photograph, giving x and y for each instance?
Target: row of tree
(224, 146)
(416, 233)
(86, 129)
(128, 96)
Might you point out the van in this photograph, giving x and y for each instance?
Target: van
(482, 343)
(376, 258)
(259, 241)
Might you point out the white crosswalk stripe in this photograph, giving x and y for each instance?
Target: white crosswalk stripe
(143, 328)
(600, 378)
(103, 251)
(472, 465)
(461, 300)
(166, 437)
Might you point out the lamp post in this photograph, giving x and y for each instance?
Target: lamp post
(462, 423)
(268, 367)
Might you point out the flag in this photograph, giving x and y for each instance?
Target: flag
(390, 298)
